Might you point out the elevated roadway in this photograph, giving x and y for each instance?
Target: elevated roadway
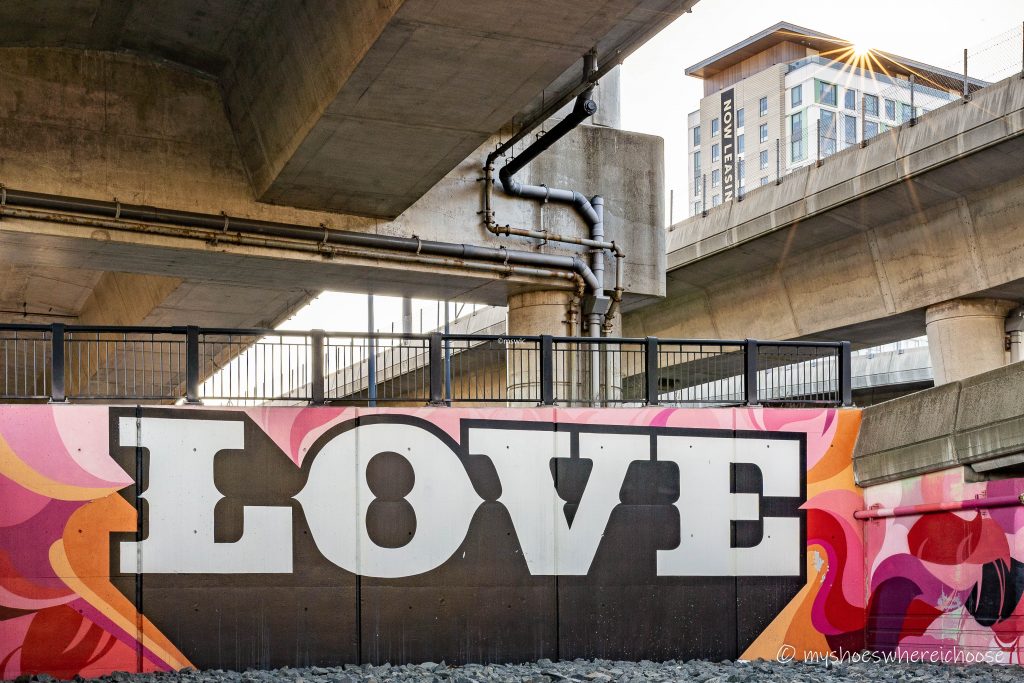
(862, 245)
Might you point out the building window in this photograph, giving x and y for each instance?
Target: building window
(825, 93)
(764, 159)
(850, 99)
(906, 112)
(714, 127)
(827, 133)
(871, 105)
(716, 153)
(696, 173)
(740, 144)
(764, 181)
(742, 172)
(797, 148)
(716, 200)
(849, 129)
(870, 129)
(716, 177)
(696, 135)
(739, 118)
(890, 110)
(763, 133)
(762, 106)
(796, 96)
(696, 208)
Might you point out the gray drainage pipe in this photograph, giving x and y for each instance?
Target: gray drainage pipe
(227, 225)
(591, 210)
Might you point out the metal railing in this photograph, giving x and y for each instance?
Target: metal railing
(254, 367)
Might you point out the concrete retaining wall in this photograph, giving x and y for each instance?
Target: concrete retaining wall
(159, 538)
(977, 422)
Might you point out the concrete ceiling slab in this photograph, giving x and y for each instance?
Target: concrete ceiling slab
(356, 107)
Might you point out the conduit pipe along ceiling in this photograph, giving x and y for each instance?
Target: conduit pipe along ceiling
(596, 305)
(117, 216)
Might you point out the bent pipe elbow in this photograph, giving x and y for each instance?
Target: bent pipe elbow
(584, 271)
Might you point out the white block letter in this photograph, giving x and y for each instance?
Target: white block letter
(707, 508)
(337, 496)
(522, 459)
(181, 496)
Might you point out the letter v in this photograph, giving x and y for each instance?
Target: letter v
(522, 459)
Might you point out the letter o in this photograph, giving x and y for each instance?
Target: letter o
(336, 497)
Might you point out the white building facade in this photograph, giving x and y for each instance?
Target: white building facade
(789, 96)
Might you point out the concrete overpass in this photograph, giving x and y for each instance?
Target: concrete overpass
(370, 117)
(863, 245)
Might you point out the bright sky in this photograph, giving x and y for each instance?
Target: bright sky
(657, 96)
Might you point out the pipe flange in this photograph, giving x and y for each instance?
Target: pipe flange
(323, 242)
(3, 200)
(419, 244)
(117, 209)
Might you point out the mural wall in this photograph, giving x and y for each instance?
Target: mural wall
(947, 585)
(158, 538)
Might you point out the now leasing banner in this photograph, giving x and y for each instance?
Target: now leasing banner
(728, 145)
(159, 538)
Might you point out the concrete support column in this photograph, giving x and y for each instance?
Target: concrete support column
(966, 337)
(529, 314)
(1015, 331)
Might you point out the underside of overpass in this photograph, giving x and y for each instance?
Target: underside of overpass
(372, 116)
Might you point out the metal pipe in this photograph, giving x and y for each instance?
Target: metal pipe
(591, 75)
(117, 214)
(597, 233)
(591, 210)
(304, 246)
(930, 508)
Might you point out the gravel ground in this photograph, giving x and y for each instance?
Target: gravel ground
(595, 671)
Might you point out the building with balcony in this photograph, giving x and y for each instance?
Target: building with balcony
(788, 96)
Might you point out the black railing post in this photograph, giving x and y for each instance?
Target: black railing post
(316, 367)
(192, 364)
(845, 374)
(57, 390)
(547, 370)
(750, 372)
(651, 371)
(437, 369)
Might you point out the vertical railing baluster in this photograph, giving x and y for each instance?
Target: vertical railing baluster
(57, 393)
(192, 364)
(750, 372)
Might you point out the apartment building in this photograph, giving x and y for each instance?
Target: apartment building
(788, 96)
